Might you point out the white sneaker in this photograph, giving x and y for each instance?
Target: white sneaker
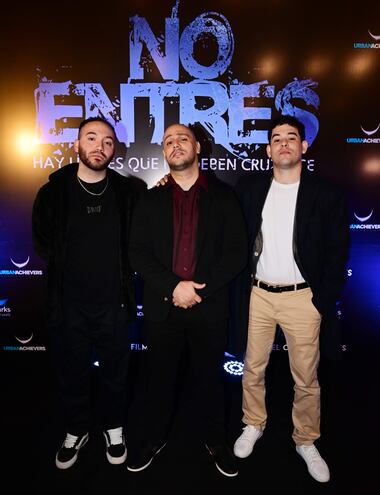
(316, 466)
(245, 443)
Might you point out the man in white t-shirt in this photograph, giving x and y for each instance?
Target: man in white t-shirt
(299, 239)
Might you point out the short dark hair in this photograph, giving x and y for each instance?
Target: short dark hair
(95, 119)
(290, 120)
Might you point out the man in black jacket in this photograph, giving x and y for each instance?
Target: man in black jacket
(80, 221)
(188, 241)
(298, 232)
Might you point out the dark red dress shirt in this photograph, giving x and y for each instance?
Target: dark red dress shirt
(185, 226)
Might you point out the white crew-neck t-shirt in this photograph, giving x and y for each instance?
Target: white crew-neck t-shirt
(276, 263)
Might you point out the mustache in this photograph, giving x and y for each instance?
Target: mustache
(176, 151)
(97, 153)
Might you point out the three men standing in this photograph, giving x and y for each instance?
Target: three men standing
(188, 241)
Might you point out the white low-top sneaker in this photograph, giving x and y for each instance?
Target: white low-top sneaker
(316, 466)
(244, 444)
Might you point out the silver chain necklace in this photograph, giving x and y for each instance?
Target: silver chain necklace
(89, 192)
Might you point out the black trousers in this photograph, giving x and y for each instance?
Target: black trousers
(166, 342)
(90, 332)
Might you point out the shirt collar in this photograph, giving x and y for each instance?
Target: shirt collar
(201, 181)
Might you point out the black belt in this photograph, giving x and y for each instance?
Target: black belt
(279, 288)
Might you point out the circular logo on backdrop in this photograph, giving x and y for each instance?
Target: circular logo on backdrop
(234, 367)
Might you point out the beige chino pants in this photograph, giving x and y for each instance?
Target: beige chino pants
(300, 322)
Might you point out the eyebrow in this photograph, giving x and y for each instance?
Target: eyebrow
(95, 133)
(290, 133)
(187, 134)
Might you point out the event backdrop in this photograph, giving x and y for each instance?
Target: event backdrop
(228, 67)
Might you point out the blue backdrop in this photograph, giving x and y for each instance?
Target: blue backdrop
(231, 67)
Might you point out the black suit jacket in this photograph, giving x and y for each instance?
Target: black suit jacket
(221, 249)
(320, 246)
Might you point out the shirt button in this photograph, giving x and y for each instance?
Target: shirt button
(185, 268)
(166, 299)
(255, 253)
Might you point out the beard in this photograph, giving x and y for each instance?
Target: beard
(178, 166)
(287, 163)
(93, 164)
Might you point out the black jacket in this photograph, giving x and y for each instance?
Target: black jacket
(320, 246)
(221, 249)
(50, 223)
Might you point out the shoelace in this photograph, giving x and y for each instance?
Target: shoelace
(249, 432)
(70, 440)
(116, 436)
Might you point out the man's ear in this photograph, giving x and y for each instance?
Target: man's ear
(198, 148)
(268, 151)
(305, 146)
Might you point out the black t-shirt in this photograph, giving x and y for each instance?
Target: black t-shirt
(92, 264)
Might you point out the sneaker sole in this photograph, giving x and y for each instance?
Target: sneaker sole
(71, 462)
(230, 475)
(116, 460)
(141, 468)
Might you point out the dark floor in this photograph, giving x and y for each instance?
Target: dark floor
(350, 428)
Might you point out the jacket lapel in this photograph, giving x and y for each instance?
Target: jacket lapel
(204, 210)
(255, 200)
(306, 196)
(165, 226)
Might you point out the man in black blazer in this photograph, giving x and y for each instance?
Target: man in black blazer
(298, 233)
(188, 241)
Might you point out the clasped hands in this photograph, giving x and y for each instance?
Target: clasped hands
(184, 295)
